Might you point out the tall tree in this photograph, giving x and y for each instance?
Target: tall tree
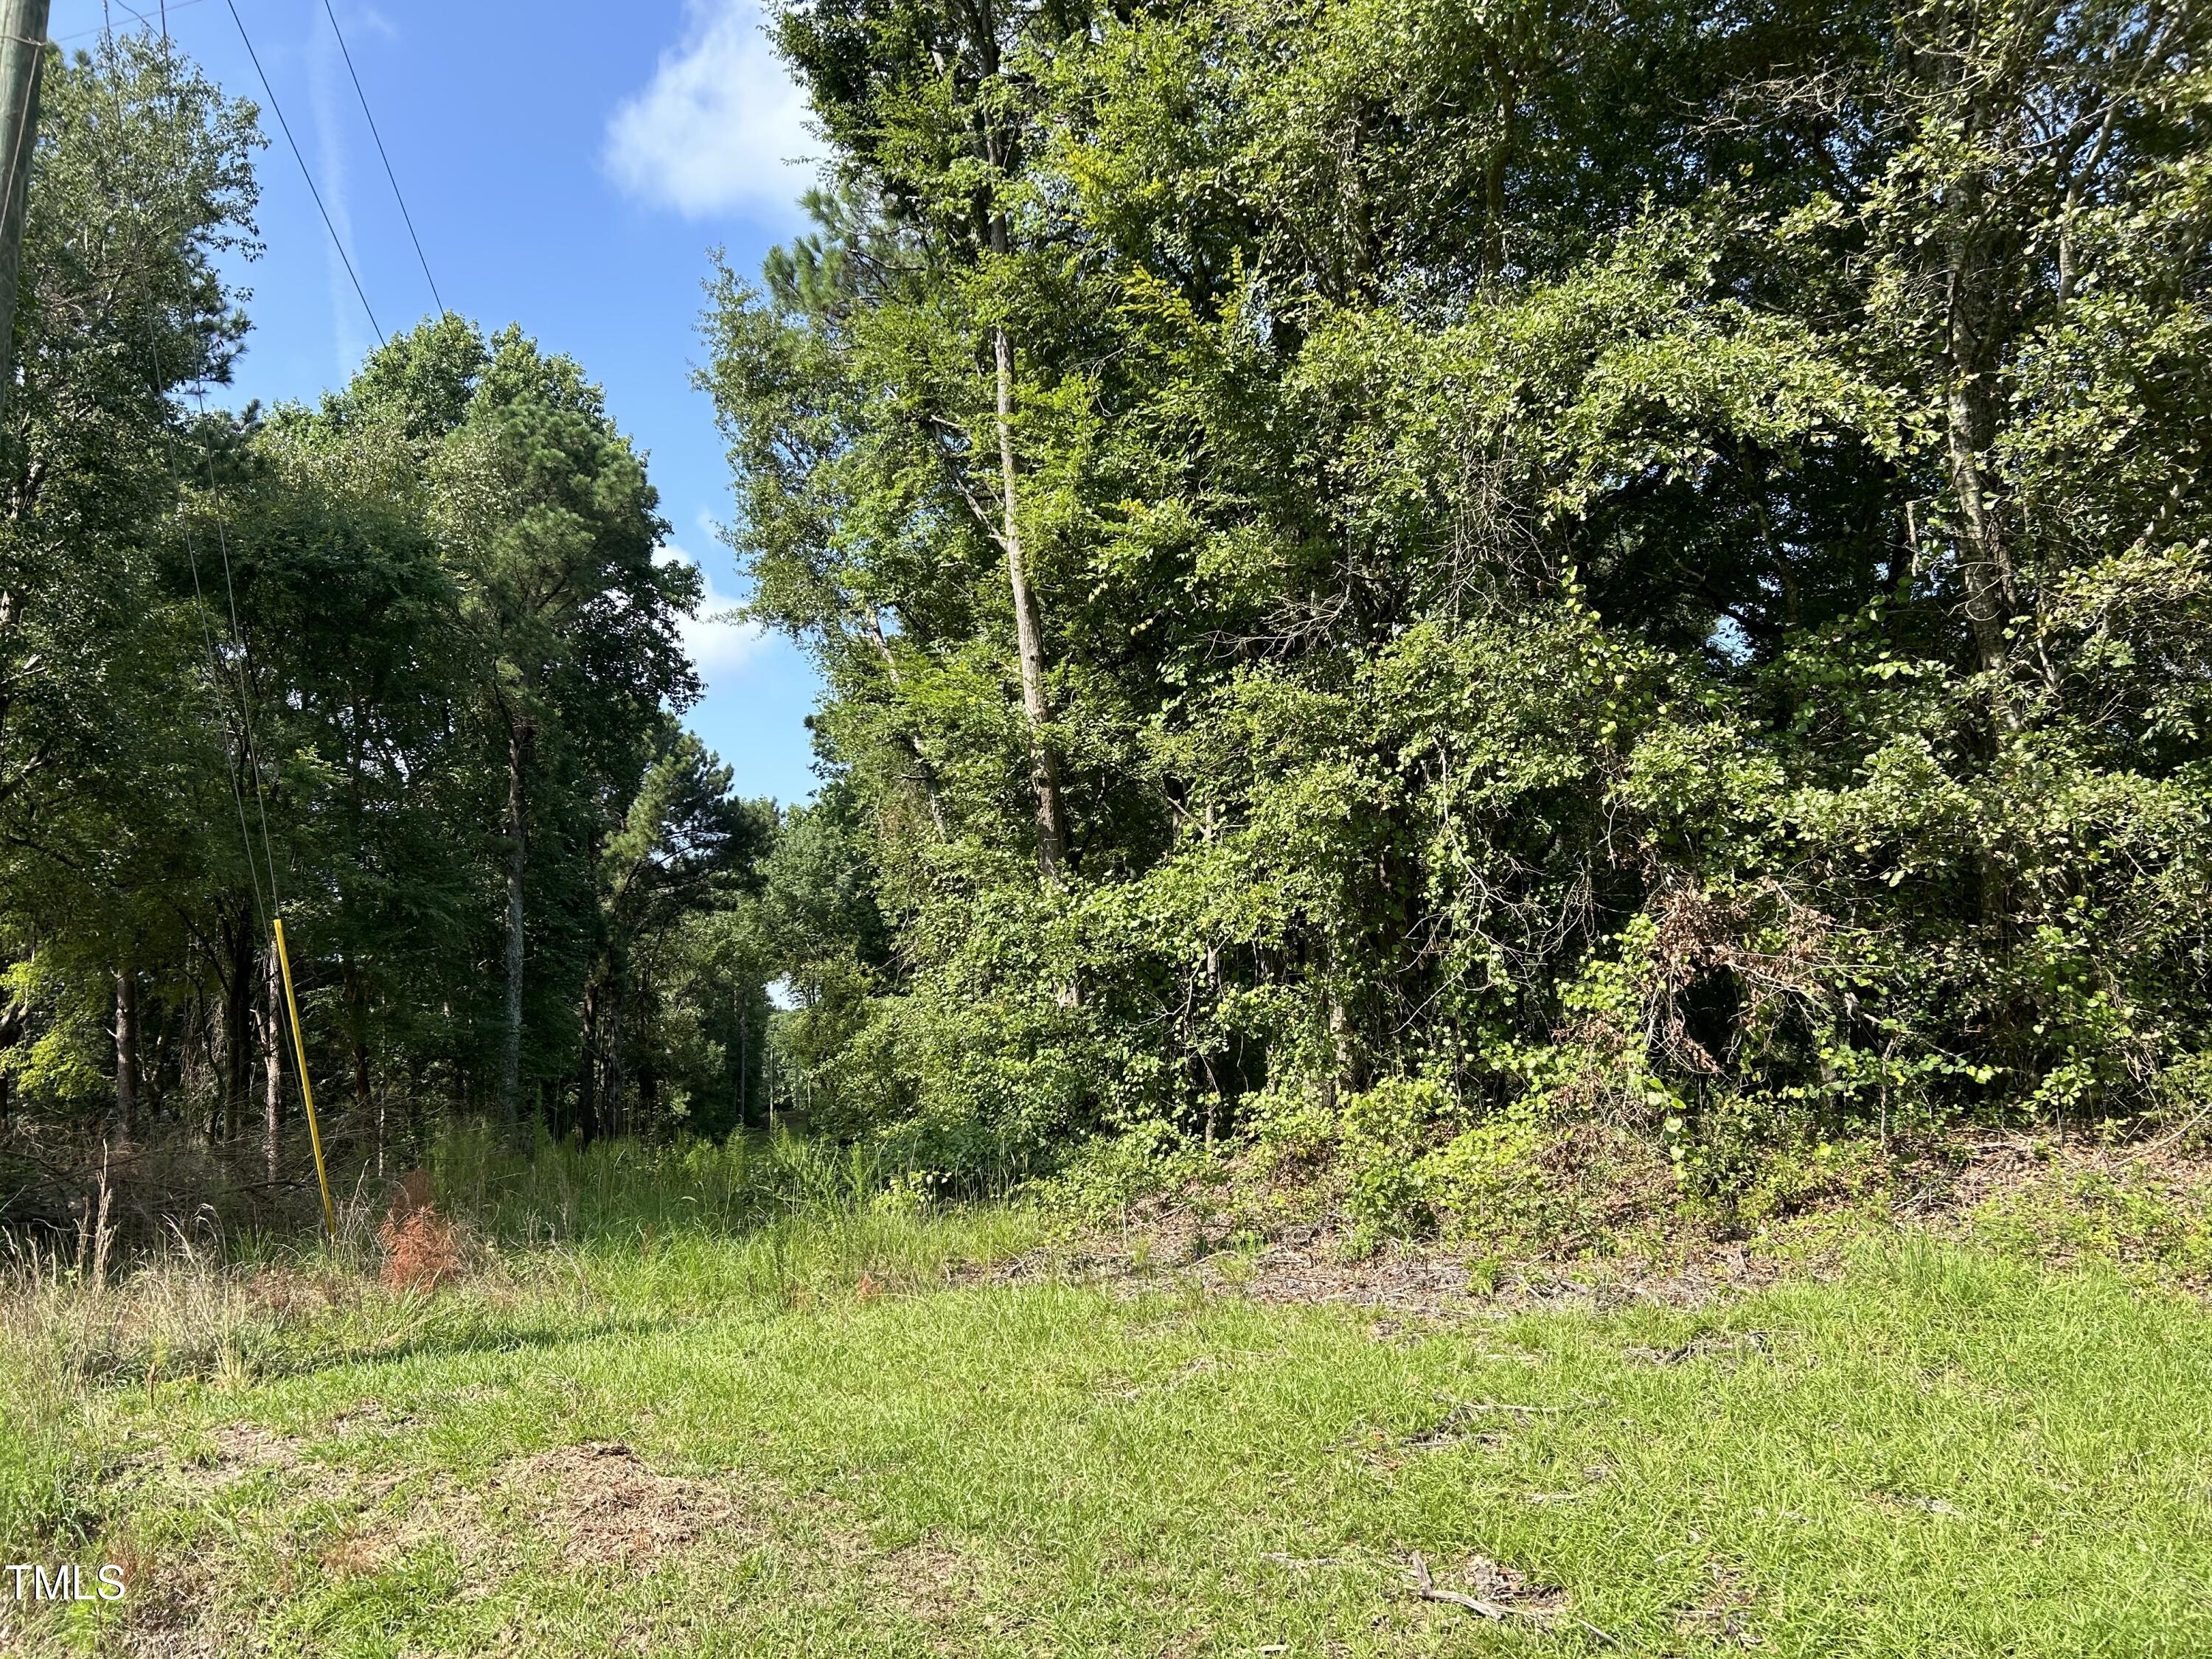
(1582, 543)
(547, 516)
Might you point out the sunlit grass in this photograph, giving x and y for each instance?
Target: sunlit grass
(1937, 1451)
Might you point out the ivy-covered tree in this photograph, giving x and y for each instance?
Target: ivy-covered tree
(1646, 561)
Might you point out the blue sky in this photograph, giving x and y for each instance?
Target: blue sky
(568, 166)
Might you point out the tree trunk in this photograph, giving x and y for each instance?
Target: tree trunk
(128, 1076)
(160, 1056)
(1340, 1076)
(1970, 408)
(272, 1057)
(418, 1112)
(924, 772)
(587, 1067)
(1979, 320)
(11, 1030)
(237, 1021)
(614, 1118)
(519, 736)
(357, 1035)
(1029, 631)
(1001, 154)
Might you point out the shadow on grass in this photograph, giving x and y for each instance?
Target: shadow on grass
(267, 1368)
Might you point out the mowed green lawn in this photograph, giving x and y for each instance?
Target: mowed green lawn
(1936, 1453)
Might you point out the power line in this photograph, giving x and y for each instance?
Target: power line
(273, 915)
(278, 110)
(248, 758)
(376, 133)
(168, 7)
(244, 668)
(245, 759)
(381, 156)
(107, 19)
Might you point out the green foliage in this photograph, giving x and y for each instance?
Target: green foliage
(405, 666)
(1455, 589)
(1583, 576)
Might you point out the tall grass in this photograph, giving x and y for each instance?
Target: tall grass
(40, 1464)
(562, 1193)
(563, 1240)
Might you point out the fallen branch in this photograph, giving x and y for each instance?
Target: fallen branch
(1425, 1587)
(1702, 1347)
(1429, 1592)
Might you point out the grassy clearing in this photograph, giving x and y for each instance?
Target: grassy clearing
(808, 1438)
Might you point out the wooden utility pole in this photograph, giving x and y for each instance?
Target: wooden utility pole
(22, 55)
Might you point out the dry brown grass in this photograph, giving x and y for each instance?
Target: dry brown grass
(606, 1506)
(421, 1251)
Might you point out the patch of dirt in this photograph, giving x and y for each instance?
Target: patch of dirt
(1745, 1342)
(243, 1449)
(1409, 1284)
(1721, 1619)
(370, 1416)
(1481, 1421)
(2064, 1173)
(598, 1501)
(164, 1621)
(1493, 1590)
(442, 1510)
(934, 1582)
(165, 1612)
(1915, 1503)
(1995, 1166)
(609, 1507)
(1493, 1581)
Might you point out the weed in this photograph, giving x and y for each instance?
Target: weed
(421, 1250)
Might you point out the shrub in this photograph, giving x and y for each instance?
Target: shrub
(421, 1248)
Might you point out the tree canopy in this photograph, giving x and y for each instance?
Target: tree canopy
(1641, 560)
(1405, 573)
(403, 667)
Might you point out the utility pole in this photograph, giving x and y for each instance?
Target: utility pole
(22, 57)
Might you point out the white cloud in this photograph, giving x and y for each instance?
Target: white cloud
(350, 341)
(720, 128)
(716, 642)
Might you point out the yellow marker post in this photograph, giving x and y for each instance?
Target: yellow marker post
(307, 1090)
